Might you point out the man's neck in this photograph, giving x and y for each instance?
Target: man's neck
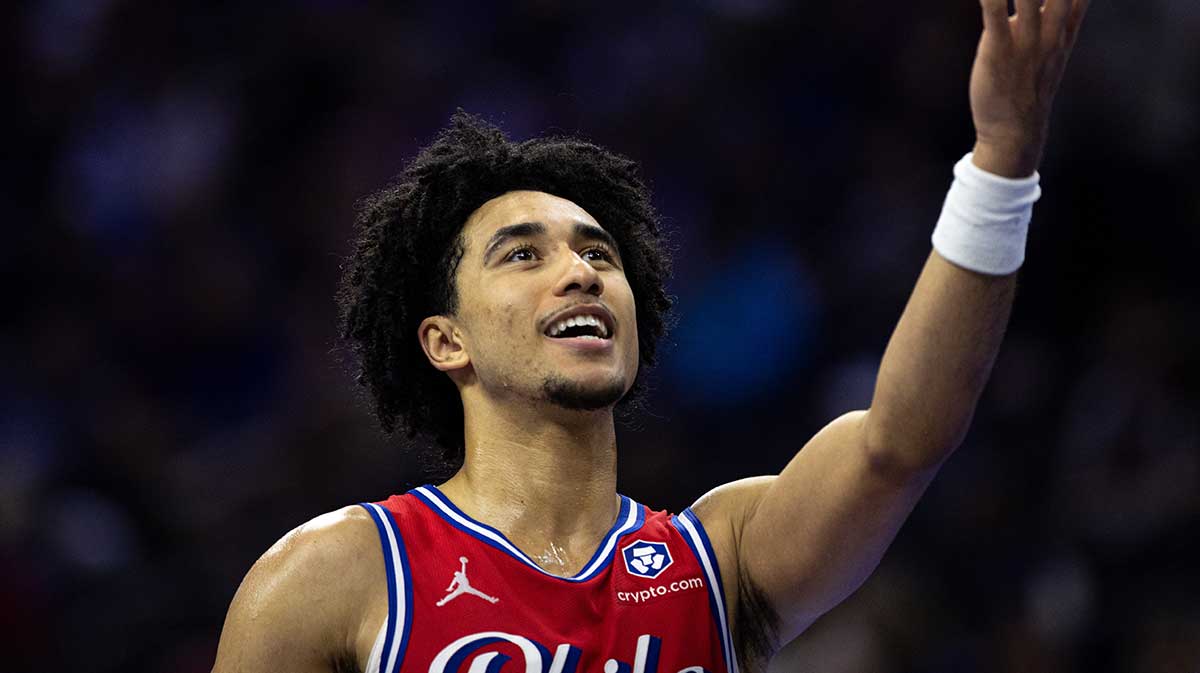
(545, 478)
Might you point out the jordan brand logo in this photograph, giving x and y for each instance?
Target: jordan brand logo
(461, 585)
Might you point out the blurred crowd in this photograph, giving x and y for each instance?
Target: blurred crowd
(179, 193)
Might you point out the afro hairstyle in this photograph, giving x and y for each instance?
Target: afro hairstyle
(408, 245)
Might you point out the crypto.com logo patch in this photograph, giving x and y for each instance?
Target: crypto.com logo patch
(646, 559)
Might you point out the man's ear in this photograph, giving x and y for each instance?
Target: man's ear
(442, 343)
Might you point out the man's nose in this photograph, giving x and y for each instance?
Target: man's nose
(580, 275)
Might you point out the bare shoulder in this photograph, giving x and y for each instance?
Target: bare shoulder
(723, 512)
(325, 543)
(304, 603)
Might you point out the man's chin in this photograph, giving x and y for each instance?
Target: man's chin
(579, 396)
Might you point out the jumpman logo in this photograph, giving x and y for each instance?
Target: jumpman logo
(461, 585)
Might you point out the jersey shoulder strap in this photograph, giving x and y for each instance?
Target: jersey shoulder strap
(693, 533)
(388, 651)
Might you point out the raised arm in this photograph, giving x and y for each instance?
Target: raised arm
(793, 546)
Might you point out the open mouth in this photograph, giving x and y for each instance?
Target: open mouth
(579, 327)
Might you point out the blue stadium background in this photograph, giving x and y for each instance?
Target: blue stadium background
(179, 181)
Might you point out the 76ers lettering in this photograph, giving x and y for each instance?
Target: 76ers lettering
(465, 655)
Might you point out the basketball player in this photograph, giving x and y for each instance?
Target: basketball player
(502, 298)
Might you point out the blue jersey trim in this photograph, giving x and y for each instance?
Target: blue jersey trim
(399, 586)
(693, 533)
(408, 595)
(630, 518)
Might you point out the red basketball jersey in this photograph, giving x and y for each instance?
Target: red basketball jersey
(463, 599)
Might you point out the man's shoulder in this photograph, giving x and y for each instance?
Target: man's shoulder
(310, 594)
(327, 540)
(331, 557)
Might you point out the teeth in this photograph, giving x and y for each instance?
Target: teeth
(576, 321)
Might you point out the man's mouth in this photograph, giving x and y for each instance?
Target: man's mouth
(579, 327)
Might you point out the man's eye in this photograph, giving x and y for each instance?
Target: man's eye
(599, 254)
(521, 254)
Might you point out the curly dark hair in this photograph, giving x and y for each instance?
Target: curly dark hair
(408, 246)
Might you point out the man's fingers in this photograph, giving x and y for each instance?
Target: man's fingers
(1054, 18)
(995, 14)
(1029, 20)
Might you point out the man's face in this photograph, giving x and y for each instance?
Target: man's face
(530, 261)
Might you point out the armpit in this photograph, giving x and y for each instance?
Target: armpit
(345, 662)
(756, 633)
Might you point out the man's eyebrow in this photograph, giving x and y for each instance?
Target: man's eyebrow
(591, 232)
(583, 230)
(519, 230)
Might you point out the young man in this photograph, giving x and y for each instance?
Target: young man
(502, 298)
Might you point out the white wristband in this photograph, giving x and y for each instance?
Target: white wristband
(985, 219)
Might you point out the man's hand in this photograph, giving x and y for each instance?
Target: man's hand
(1018, 67)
